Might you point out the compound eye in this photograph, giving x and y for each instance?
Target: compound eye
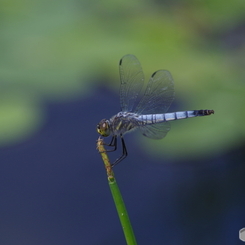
(103, 128)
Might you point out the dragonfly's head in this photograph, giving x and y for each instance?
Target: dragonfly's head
(103, 128)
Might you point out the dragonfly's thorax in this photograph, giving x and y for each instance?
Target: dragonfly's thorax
(123, 122)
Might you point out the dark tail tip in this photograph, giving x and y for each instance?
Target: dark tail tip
(205, 112)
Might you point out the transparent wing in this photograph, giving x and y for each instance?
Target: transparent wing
(158, 95)
(132, 81)
(155, 131)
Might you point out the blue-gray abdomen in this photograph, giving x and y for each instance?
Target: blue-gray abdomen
(159, 118)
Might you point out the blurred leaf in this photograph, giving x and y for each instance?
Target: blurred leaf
(19, 116)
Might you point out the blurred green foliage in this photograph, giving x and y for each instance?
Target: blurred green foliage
(55, 49)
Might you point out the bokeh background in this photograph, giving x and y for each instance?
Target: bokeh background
(59, 77)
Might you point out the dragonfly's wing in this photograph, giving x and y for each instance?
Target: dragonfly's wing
(158, 95)
(155, 131)
(132, 81)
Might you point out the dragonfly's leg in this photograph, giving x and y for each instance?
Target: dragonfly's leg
(124, 153)
(113, 143)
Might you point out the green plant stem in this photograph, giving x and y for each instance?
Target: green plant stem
(117, 197)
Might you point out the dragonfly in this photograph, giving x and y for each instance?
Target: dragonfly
(145, 112)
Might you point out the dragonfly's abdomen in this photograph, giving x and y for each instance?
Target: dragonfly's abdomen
(159, 118)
